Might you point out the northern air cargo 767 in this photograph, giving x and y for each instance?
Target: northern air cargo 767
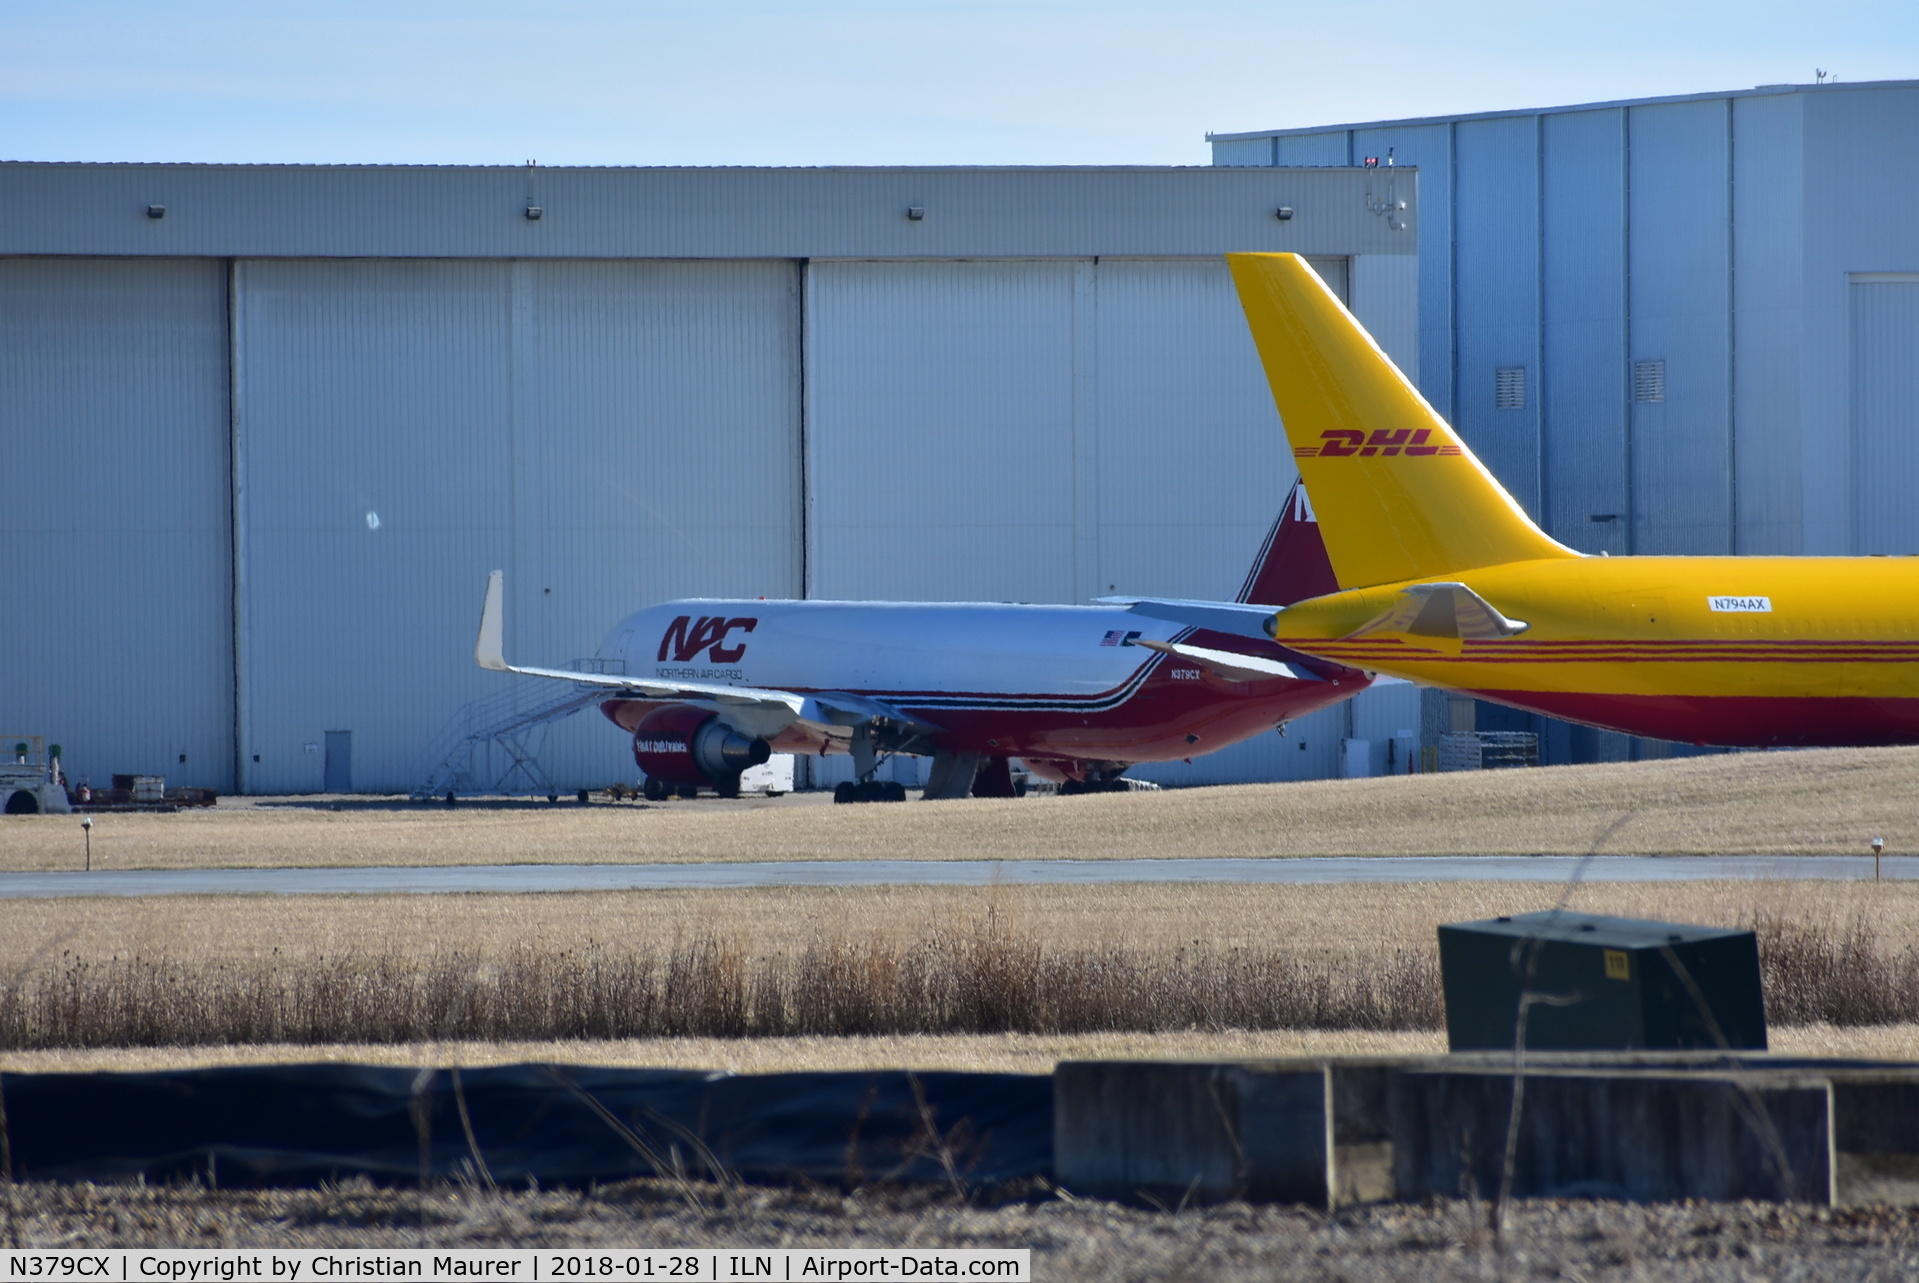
(1444, 580)
(1079, 693)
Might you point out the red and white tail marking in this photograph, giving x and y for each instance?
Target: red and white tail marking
(1292, 564)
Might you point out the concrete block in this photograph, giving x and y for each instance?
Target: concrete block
(1184, 1134)
(1283, 1131)
(1875, 1134)
(1635, 1134)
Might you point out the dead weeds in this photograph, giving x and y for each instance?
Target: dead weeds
(1825, 801)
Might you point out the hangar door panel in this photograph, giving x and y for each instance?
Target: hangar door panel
(376, 445)
(656, 439)
(1193, 461)
(1885, 415)
(609, 434)
(114, 510)
(940, 430)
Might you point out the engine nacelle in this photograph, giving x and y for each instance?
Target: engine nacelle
(681, 744)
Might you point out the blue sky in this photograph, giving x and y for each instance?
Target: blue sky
(851, 81)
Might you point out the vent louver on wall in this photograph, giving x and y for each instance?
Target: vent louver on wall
(1649, 380)
(1509, 388)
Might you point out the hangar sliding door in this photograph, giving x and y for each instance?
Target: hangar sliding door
(941, 400)
(609, 434)
(1885, 414)
(1193, 461)
(114, 513)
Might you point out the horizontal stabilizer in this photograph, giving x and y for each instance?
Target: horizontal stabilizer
(1229, 617)
(1443, 610)
(1234, 668)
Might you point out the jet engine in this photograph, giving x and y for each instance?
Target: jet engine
(683, 747)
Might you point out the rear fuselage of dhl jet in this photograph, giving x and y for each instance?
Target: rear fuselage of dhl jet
(1735, 651)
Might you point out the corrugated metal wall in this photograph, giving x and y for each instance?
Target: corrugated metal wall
(1885, 413)
(114, 515)
(1193, 464)
(940, 430)
(1037, 431)
(609, 434)
(1769, 264)
(1681, 289)
(1588, 503)
(376, 435)
(1496, 284)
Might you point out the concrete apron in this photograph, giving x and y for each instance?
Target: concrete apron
(1631, 1126)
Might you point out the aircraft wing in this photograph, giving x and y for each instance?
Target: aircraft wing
(1234, 667)
(827, 709)
(1442, 610)
(1231, 617)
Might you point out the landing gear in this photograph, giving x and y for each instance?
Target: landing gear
(728, 787)
(869, 791)
(689, 791)
(1073, 788)
(995, 779)
(655, 790)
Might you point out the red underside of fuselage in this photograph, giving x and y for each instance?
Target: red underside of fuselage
(1732, 721)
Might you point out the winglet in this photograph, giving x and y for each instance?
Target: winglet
(489, 649)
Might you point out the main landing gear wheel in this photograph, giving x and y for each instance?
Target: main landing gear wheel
(869, 791)
(728, 787)
(1073, 788)
(655, 790)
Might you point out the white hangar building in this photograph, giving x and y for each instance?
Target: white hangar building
(268, 428)
(1671, 325)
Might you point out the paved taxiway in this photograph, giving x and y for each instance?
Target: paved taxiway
(446, 879)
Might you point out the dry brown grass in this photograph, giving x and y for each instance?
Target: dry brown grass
(1015, 1053)
(1334, 920)
(854, 961)
(984, 980)
(1829, 801)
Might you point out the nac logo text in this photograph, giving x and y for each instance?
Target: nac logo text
(686, 637)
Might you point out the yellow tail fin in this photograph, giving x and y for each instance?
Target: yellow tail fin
(1398, 495)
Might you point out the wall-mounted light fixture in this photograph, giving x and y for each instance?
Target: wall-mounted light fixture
(534, 213)
(915, 213)
(156, 211)
(1284, 213)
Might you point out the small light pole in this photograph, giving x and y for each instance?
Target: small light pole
(1878, 845)
(86, 826)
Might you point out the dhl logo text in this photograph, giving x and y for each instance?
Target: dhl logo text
(685, 638)
(1342, 442)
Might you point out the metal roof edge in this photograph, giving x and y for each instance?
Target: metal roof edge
(1758, 91)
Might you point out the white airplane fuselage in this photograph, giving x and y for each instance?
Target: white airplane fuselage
(1055, 685)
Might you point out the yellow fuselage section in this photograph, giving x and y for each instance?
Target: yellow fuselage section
(1814, 640)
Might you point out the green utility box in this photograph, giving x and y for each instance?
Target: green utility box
(1601, 984)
